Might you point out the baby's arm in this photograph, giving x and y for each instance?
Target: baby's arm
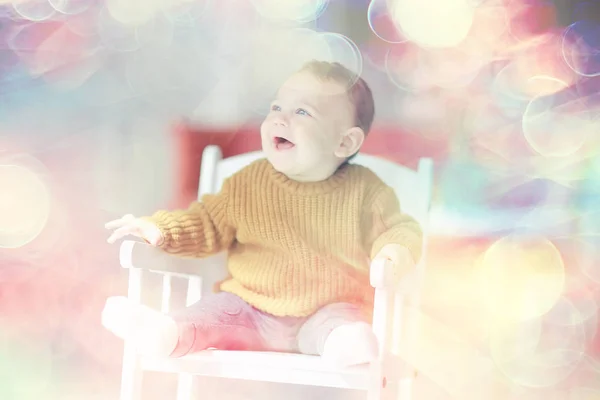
(205, 228)
(391, 233)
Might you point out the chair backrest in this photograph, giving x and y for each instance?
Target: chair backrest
(413, 188)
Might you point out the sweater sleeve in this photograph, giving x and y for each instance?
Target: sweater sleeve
(387, 224)
(205, 228)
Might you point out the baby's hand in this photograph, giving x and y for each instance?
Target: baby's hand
(130, 225)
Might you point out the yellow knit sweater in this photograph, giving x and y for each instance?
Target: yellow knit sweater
(293, 247)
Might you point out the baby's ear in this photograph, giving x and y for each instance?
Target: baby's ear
(351, 141)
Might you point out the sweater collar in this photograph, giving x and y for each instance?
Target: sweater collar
(308, 188)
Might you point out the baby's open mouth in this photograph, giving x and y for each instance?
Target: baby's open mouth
(282, 143)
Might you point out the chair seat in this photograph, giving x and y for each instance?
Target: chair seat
(263, 366)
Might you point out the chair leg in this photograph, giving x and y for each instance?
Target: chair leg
(405, 389)
(186, 387)
(389, 381)
(397, 390)
(131, 375)
(384, 385)
(389, 392)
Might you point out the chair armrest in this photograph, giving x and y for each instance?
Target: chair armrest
(383, 275)
(144, 256)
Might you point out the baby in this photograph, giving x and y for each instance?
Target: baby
(300, 226)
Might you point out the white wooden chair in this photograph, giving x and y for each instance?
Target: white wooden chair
(388, 378)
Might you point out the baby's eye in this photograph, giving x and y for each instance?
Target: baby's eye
(302, 111)
(275, 107)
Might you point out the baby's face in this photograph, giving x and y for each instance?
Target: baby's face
(305, 126)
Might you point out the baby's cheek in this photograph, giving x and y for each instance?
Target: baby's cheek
(264, 127)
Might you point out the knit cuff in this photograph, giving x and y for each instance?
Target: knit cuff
(410, 240)
(161, 227)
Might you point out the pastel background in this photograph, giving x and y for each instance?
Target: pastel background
(106, 105)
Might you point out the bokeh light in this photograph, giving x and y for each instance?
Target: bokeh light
(578, 309)
(522, 278)
(540, 352)
(80, 23)
(558, 126)
(34, 10)
(344, 51)
(530, 19)
(71, 7)
(402, 67)
(133, 12)
(433, 23)
(581, 48)
(381, 22)
(24, 205)
(487, 35)
(299, 11)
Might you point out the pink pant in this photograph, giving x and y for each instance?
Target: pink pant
(226, 322)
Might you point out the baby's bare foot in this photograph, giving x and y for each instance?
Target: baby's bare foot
(152, 332)
(349, 345)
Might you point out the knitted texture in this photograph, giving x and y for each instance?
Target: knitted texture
(293, 247)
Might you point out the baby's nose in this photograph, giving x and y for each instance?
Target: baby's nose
(281, 120)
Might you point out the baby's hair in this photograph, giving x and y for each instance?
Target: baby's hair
(358, 90)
